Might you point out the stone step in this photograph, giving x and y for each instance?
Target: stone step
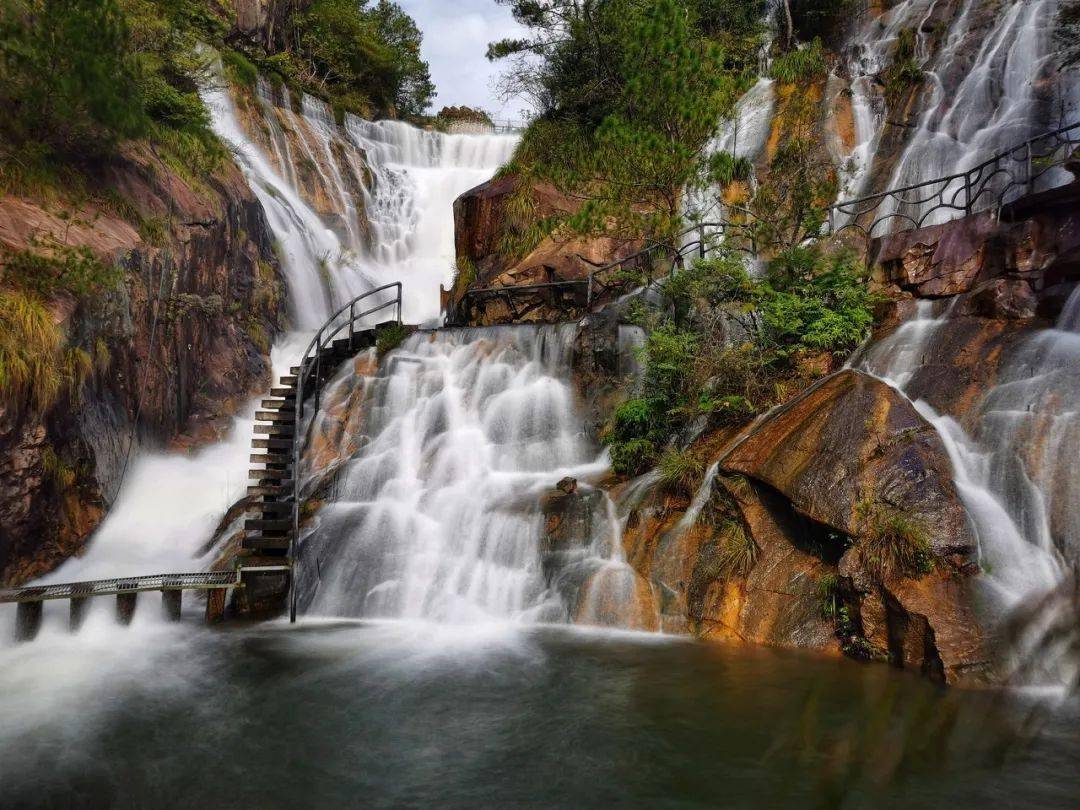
(285, 431)
(268, 526)
(279, 404)
(260, 543)
(274, 459)
(268, 490)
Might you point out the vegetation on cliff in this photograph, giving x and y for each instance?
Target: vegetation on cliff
(629, 94)
(730, 345)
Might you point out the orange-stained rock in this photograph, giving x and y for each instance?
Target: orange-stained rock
(617, 596)
(849, 439)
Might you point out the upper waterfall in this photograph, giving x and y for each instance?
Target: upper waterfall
(357, 205)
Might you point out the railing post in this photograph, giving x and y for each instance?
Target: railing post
(588, 294)
(701, 241)
(967, 194)
(352, 317)
(1030, 173)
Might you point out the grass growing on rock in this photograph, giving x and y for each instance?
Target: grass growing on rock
(389, 339)
(891, 543)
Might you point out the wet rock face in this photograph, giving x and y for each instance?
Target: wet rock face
(851, 439)
(1035, 243)
(186, 334)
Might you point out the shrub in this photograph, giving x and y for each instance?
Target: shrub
(53, 268)
(632, 457)
(904, 71)
(239, 68)
(830, 599)
(389, 338)
(31, 372)
(801, 65)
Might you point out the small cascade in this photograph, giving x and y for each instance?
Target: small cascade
(1015, 465)
(437, 516)
(415, 177)
(991, 85)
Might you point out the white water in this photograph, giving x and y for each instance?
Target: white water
(1016, 471)
(438, 517)
(992, 84)
(170, 503)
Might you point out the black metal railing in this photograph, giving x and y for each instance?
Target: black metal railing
(602, 282)
(311, 367)
(1020, 170)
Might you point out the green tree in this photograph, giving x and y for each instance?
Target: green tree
(355, 51)
(68, 77)
(645, 153)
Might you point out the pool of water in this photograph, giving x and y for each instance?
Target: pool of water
(414, 715)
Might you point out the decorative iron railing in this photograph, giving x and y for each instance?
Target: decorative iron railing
(602, 283)
(1025, 168)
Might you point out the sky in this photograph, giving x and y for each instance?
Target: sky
(456, 36)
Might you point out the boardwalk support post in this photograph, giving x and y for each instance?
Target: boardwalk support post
(215, 605)
(125, 607)
(170, 604)
(77, 612)
(27, 620)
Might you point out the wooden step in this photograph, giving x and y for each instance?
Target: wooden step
(272, 444)
(279, 404)
(289, 380)
(282, 417)
(286, 393)
(285, 430)
(263, 525)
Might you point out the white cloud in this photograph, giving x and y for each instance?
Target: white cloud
(456, 36)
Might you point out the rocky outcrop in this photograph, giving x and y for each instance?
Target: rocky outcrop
(850, 439)
(178, 345)
(1015, 265)
(506, 235)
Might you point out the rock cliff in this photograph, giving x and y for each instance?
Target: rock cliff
(179, 343)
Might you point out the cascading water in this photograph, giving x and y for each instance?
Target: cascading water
(416, 176)
(993, 84)
(437, 516)
(1015, 466)
(170, 504)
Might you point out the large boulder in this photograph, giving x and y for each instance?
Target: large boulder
(853, 441)
(849, 439)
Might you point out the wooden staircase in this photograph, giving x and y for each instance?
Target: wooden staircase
(269, 524)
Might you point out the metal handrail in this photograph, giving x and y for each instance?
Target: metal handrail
(994, 180)
(311, 362)
(701, 245)
(104, 587)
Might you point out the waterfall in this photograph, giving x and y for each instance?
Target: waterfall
(416, 176)
(992, 84)
(1015, 467)
(437, 516)
(170, 503)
